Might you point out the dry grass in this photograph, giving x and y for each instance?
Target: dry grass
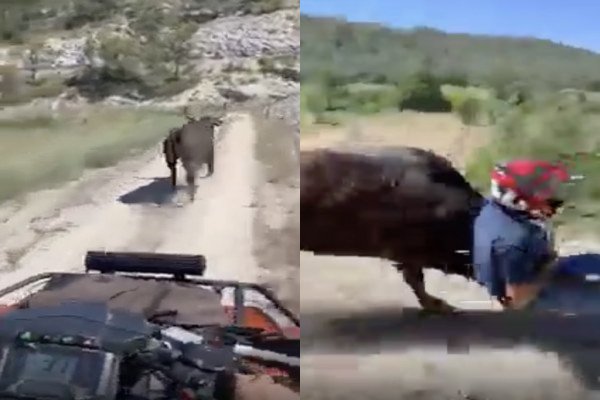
(440, 132)
(40, 149)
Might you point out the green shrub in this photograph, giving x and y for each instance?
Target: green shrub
(48, 87)
(313, 98)
(539, 131)
(327, 119)
(12, 85)
(474, 105)
(470, 111)
(424, 97)
(262, 6)
(280, 66)
(86, 11)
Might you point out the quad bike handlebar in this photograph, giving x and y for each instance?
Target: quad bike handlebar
(249, 338)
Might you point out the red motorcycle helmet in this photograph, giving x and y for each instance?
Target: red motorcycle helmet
(533, 186)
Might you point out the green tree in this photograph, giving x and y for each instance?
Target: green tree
(423, 93)
(86, 11)
(177, 47)
(13, 21)
(148, 18)
(120, 55)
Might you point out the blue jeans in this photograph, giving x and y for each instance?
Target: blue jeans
(569, 291)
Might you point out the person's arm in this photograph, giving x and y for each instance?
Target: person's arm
(526, 268)
(519, 296)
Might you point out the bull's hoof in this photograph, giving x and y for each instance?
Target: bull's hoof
(192, 194)
(437, 307)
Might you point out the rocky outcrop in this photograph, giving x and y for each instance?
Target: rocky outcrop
(237, 58)
(276, 33)
(63, 53)
(226, 39)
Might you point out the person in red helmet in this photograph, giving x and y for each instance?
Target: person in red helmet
(513, 252)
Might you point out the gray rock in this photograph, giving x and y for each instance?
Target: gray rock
(275, 33)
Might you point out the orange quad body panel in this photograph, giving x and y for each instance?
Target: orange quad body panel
(254, 317)
(292, 332)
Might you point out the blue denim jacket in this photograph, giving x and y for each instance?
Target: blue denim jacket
(508, 248)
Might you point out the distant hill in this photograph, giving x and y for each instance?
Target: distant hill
(20, 19)
(371, 52)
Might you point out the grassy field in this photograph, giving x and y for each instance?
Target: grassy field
(443, 133)
(41, 150)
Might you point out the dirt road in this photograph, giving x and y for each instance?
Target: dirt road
(130, 207)
(353, 309)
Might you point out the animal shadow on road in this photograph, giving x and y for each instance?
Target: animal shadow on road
(575, 339)
(159, 192)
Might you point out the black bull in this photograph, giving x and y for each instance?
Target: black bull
(194, 144)
(406, 205)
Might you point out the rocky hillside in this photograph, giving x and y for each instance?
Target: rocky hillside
(164, 53)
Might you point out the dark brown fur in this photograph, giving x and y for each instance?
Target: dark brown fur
(407, 205)
(194, 144)
(170, 154)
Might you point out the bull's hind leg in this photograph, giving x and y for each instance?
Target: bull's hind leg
(173, 169)
(415, 278)
(190, 179)
(210, 162)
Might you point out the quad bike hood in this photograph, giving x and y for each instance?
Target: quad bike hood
(111, 329)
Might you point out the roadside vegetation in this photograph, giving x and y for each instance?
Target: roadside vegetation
(538, 98)
(39, 149)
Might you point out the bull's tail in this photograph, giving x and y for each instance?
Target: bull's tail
(190, 178)
(170, 153)
(210, 161)
(173, 169)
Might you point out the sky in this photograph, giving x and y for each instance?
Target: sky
(571, 22)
